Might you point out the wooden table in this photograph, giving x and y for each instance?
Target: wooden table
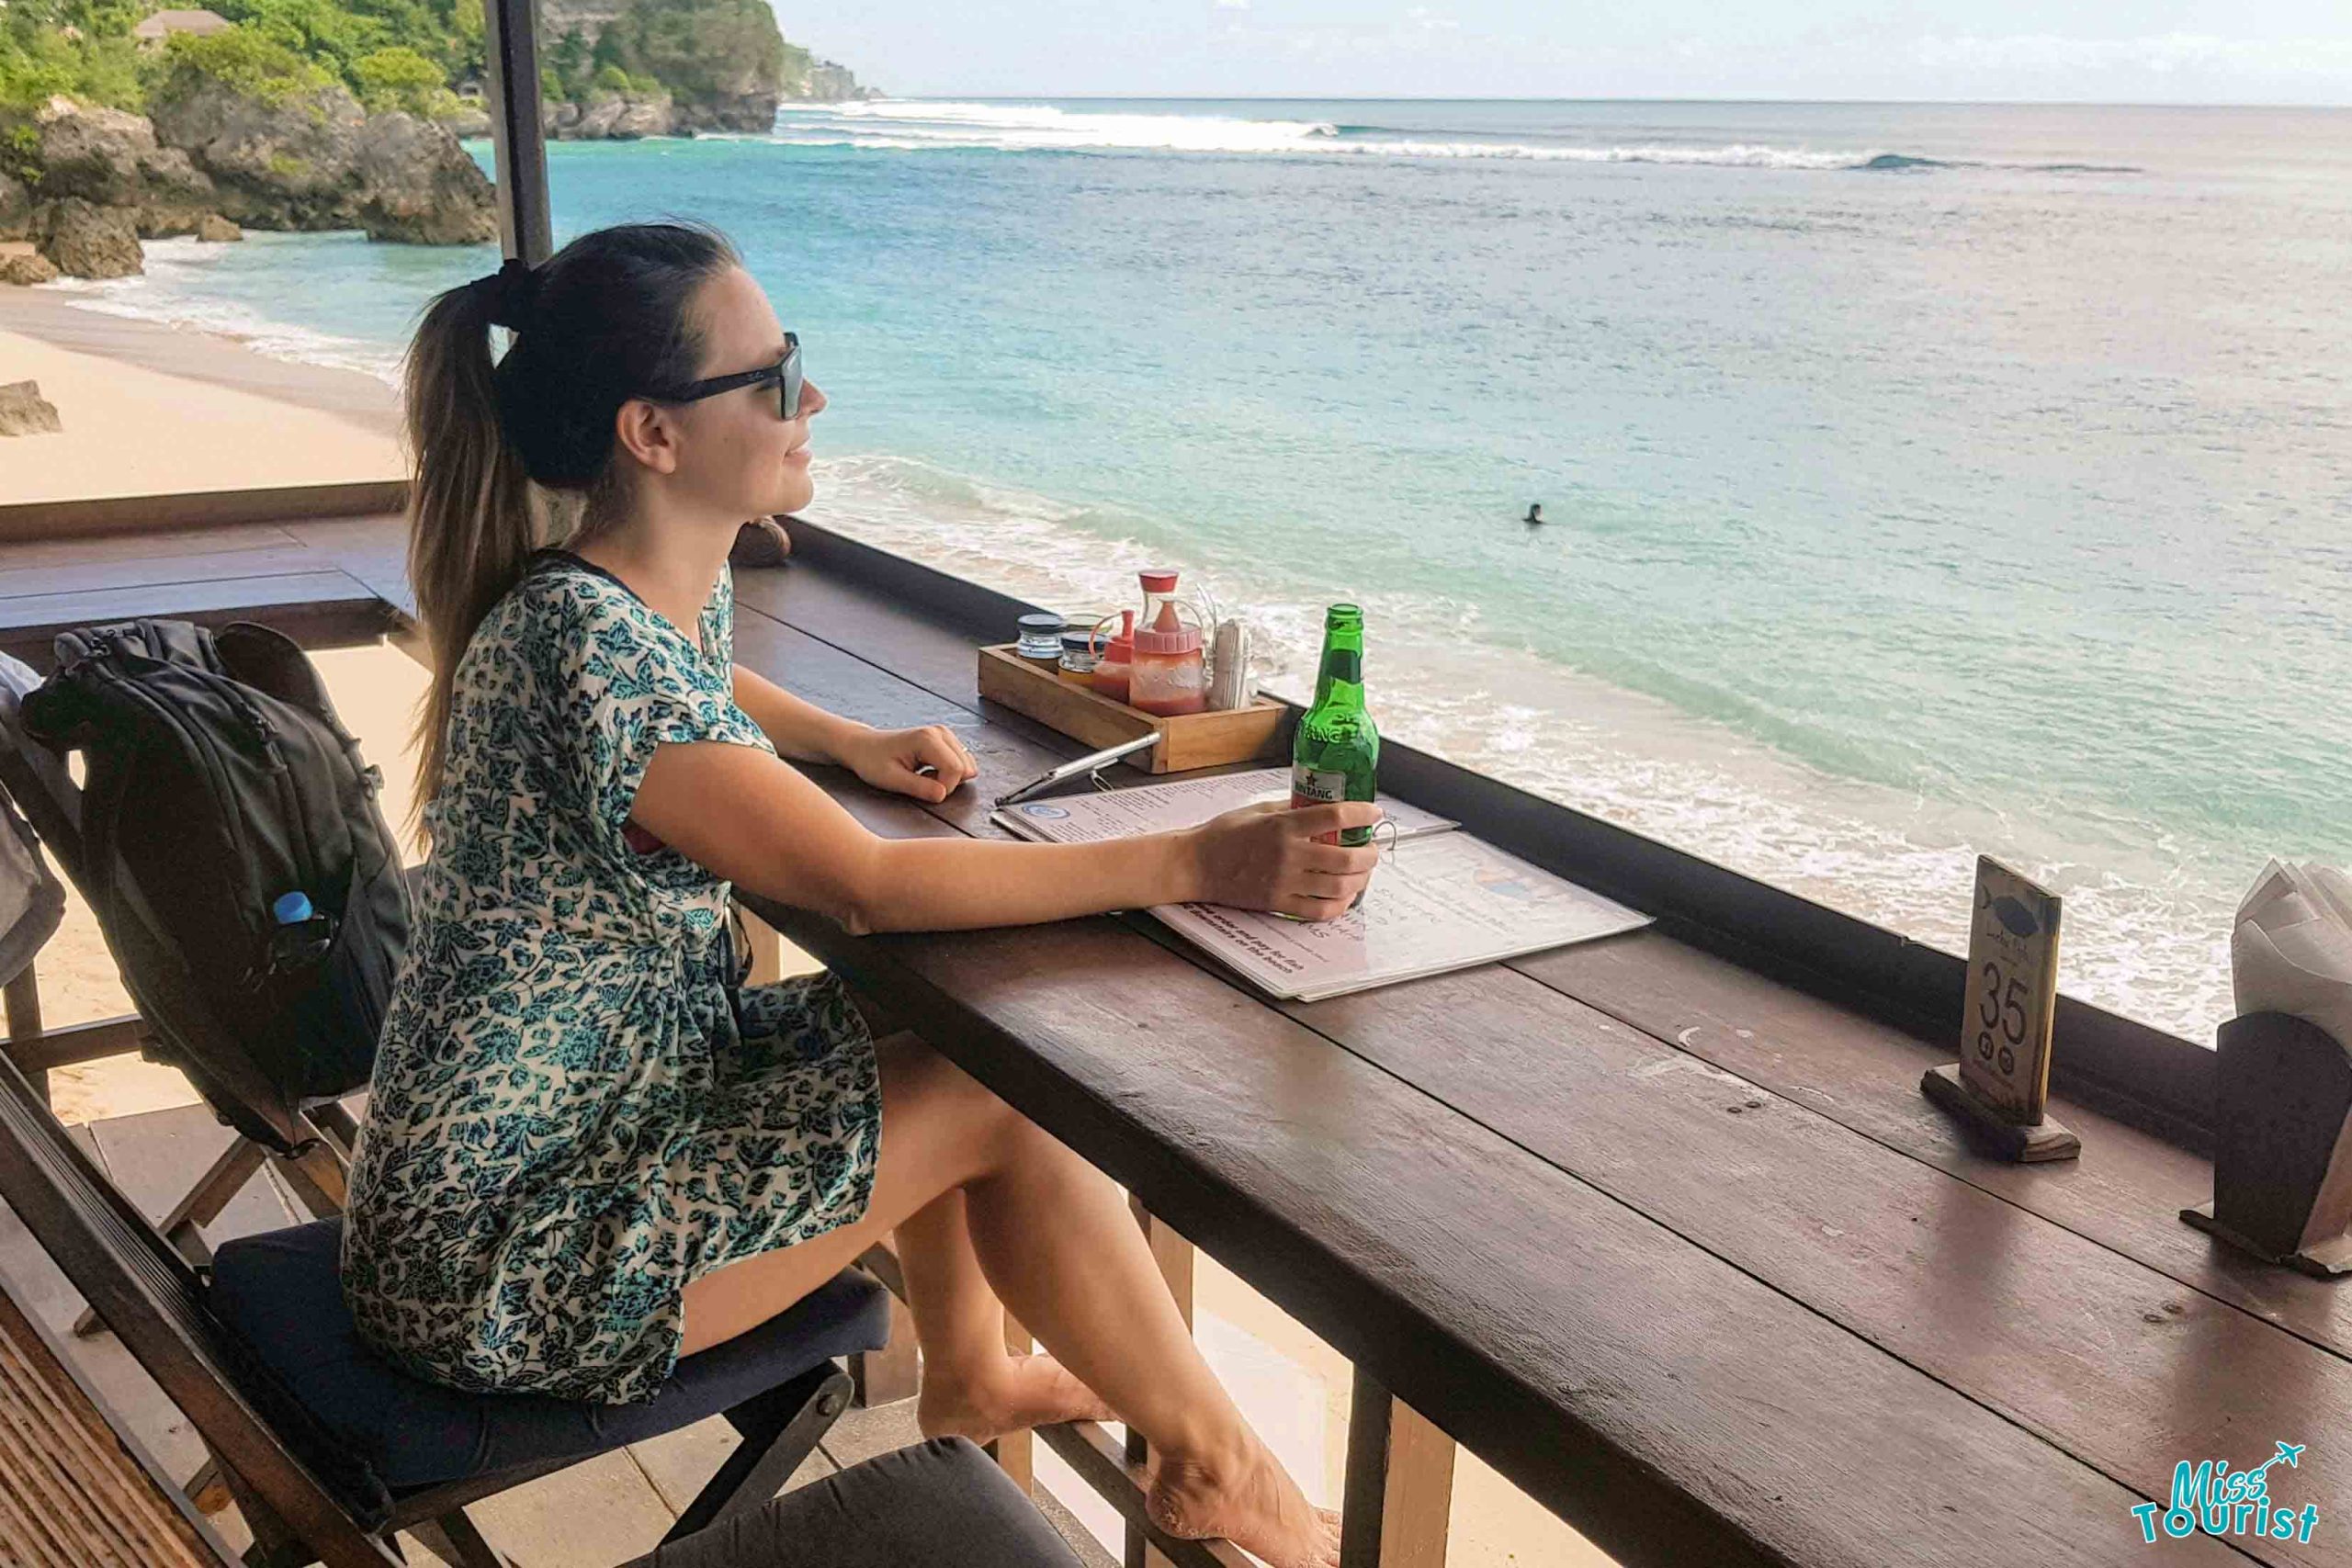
(1678, 1247)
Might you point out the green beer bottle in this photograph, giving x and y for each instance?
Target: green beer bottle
(1336, 753)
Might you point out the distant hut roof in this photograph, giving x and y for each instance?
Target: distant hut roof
(163, 24)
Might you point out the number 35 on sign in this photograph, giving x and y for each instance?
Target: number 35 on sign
(2001, 1083)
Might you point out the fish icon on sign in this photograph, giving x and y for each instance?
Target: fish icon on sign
(2015, 917)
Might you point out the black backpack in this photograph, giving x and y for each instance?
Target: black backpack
(234, 851)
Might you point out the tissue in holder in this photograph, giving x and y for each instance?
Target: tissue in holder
(2291, 950)
(2282, 1112)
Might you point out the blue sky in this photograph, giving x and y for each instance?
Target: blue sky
(2100, 51)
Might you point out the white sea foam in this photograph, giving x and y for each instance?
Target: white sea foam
(173, 291)
(903, 126)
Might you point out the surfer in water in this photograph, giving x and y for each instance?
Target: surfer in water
(1534, 513)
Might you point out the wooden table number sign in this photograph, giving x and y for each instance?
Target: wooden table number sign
(2000, 1086)
(2282, 1143)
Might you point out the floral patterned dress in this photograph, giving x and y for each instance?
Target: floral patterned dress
(568, 1120)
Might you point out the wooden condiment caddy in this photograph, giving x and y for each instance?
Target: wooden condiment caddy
(1186, 741)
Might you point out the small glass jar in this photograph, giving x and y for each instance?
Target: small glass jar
(1079, 655)
(1041, 638)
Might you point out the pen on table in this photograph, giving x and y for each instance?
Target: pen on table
(1077, 765)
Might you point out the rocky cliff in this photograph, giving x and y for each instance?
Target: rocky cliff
(104, 179)
(827, 82)
(317, 160)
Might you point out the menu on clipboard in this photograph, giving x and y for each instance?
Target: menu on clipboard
(1441, 899)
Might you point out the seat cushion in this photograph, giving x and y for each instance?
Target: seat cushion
(280, 1291)
(938, 1503)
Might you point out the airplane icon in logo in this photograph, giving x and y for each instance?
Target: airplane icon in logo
(2292, 1453)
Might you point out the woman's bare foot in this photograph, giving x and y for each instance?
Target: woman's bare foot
(1019, 1393)
(1253, 1504)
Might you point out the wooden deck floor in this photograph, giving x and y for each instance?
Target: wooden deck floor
(603, 1512)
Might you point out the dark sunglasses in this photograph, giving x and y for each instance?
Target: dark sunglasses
(784, 373)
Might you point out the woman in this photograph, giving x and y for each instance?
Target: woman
(580, 1161)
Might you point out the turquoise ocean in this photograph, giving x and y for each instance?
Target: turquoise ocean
(1918, 479)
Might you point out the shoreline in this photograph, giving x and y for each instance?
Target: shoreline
(215, 359)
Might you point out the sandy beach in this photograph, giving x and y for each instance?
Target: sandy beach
(150, 409)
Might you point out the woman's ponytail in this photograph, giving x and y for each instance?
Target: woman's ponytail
(471, 522)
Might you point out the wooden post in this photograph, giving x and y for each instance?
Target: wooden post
(1400, 1484)
(316, 1177)
(1174, 1255)
(22, 999)
(894, 1371)
(1016, 1454)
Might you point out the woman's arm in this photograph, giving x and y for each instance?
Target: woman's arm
(886, 759)
(760, 823)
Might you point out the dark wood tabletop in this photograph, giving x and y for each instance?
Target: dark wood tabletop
(1679, 1248)
(1667, 1235)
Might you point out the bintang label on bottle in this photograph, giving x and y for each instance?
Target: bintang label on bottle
(1336, 753)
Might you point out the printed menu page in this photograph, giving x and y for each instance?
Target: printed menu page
(1441, 899)
(1183, 803)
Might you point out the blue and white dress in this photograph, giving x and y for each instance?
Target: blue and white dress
(569, 1122)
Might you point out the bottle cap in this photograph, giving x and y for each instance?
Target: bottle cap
(291, 909)
(1185, 639)
(1042, 622)
(1158, 582)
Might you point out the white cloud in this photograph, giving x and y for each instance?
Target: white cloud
(1233, 4)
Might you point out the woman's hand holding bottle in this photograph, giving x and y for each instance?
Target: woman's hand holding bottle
(1273, 857)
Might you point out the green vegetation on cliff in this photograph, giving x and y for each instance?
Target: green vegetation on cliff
(406, 54)
(80, 47)
(246, 62)
(391, 54)
(352, 38)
